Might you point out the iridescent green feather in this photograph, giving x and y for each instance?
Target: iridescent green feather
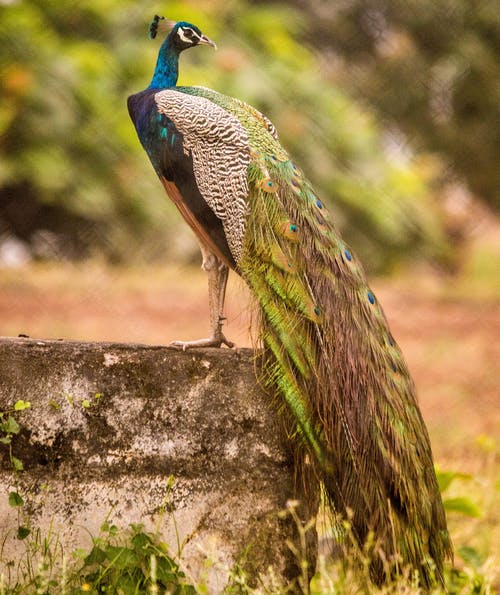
(331, 359)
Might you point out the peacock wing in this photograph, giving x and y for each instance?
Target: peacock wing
(201, 154)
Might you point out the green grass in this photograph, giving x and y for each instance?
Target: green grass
(126, 561)
(123, 562)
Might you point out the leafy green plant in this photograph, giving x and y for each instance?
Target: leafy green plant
(474, 574)
(120, 562)
(9, 427)
(461, 504)
(140, 564)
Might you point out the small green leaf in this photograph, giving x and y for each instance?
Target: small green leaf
(121, 557)
(6, 440)
(96, 556)
(17, 463)
(445, 478)
(55, 405)
(79, 553)
(98, 396)
(21, 405)
(10, 426)
(128, 585)
(86, 404)
(141, 541)
(462, 505)
(471, 556)
(15, 500)
(23, 532)
(167, 570)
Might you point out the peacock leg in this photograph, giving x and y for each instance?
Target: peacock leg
(217, 273)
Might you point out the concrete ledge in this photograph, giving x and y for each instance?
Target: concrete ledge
(110, 423)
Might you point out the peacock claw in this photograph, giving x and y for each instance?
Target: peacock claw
(216, 340)
(209, 342)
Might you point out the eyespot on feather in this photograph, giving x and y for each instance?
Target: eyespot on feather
(314, 313)
(347, 255)
(296, 186)
(267, 185)
(290, 231)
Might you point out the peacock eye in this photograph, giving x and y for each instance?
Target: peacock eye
(188, 32)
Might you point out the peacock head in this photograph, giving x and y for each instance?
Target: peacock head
(182, 35)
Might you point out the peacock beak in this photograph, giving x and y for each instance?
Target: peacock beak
(204, 40)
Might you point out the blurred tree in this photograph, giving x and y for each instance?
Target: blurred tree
(66, 153)
(69, 155)
(431, 69)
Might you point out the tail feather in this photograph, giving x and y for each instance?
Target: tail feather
(334, 362)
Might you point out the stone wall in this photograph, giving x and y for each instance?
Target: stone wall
(109, 424)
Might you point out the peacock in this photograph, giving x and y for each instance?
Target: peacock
(338, 376)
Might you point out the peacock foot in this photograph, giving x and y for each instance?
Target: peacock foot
(216, 341)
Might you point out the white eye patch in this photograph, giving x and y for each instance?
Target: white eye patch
(181, 32)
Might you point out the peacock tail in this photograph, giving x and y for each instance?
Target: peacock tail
(333, 361)
(337, 374)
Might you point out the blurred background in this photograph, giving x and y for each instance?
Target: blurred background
(391, 107)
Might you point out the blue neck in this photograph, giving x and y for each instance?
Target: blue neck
(167, 67)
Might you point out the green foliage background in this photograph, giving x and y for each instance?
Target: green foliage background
(70, 161)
